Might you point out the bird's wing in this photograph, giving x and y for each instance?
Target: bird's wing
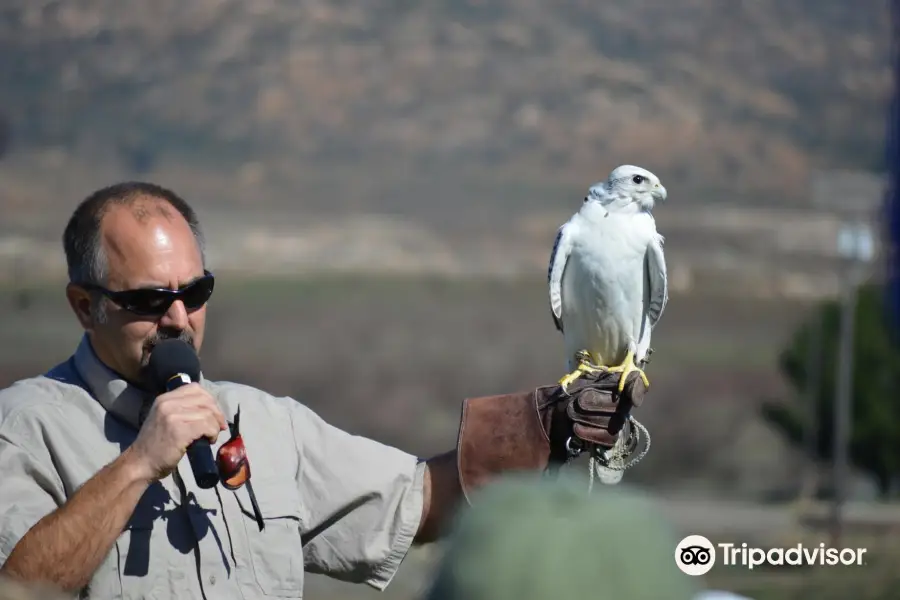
(658, 281)
(562, 246)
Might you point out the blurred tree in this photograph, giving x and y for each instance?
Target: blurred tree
(875, 426)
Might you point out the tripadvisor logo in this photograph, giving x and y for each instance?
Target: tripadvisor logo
(798, 555)
(696, 555)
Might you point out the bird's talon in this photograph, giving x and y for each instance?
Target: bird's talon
(584, 366)
(626, 368)
(645, 380)
(568, 379)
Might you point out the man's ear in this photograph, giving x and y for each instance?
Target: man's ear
(80, 301)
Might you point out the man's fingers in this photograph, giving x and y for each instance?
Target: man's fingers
(192, 399)
(189, 401)
(223, 424)
(209, 409)
(201, 424)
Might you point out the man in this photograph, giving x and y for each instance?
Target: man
(99, 498)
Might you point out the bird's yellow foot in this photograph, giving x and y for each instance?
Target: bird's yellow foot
(626, 369)
(584, 366)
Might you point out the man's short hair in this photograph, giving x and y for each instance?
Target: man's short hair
(81, 239)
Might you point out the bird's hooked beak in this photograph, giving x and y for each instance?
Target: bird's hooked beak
(659, 192)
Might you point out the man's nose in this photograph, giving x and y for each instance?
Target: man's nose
(176, 317)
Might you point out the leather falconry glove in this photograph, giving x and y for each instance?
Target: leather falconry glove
(543, 428)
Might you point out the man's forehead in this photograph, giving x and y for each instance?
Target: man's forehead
(149, 240)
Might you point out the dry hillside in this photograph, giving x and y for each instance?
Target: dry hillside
(720, 97)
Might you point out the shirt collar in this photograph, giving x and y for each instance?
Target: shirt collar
(115, 394)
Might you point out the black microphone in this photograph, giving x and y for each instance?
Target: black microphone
(174, 363)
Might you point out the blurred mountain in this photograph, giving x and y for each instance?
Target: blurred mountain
(723, 99)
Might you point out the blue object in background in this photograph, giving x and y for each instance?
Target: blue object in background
(892, 192)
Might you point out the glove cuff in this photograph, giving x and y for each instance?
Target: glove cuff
(499, 434)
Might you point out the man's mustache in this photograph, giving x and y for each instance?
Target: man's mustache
(170, 334)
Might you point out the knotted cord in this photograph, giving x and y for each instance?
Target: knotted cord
(618, 456)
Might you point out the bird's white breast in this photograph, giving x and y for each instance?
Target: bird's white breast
(604, 286)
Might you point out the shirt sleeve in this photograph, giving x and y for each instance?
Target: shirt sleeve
(30, 490)
(363, 501)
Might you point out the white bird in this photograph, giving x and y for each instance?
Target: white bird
(607, 276)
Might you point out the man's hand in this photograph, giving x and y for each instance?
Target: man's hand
(176, 419)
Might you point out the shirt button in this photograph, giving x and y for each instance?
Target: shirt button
(212, 580)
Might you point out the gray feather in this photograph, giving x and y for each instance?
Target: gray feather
(562, 246)
(658, 280)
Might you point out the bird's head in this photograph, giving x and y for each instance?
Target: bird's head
(628, 189)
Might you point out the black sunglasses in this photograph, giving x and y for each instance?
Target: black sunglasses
(157, 301)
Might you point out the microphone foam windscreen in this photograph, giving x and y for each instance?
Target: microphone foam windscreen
(170, 357)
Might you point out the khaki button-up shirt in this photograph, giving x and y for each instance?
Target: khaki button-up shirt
(333, 503)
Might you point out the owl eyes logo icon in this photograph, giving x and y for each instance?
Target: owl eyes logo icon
(695, 555)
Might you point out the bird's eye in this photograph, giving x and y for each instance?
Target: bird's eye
(638, 179)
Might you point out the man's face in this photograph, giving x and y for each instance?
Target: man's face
(147, 244)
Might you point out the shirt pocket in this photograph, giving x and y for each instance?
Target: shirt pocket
(133, 572)
(155, 549)
(277, 551)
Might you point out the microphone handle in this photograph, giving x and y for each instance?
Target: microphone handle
(199, 452)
